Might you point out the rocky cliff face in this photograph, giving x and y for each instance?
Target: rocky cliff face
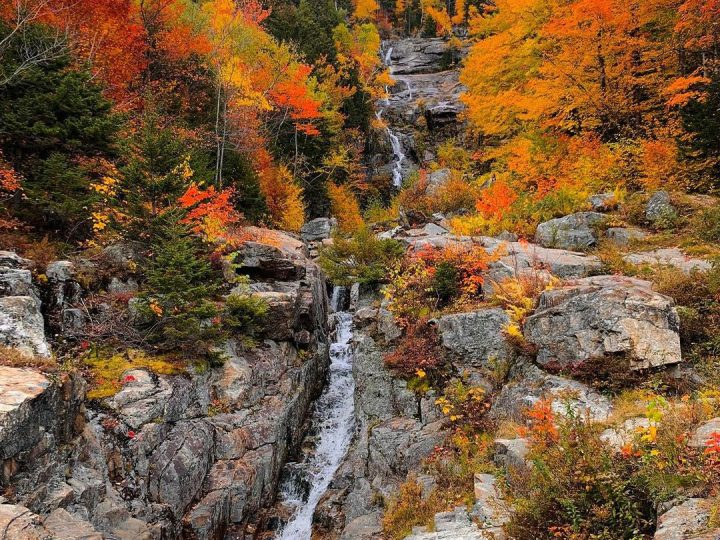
(167, 456)
(423, 108)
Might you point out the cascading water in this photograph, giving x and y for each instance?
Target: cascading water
(334, 416)
(397, 149)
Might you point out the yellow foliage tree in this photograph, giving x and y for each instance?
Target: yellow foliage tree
(345, 208)
(283, 197)
(366, 9)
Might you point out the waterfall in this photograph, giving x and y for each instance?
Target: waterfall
(334, 416)
(397, 150)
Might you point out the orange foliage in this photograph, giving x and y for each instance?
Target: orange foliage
(495, 200)
(209, 211)
(366, 9)
(659, 164)
(541, 418)
(471, 262)
(293, 95)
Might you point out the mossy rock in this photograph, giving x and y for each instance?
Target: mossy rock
(107, 368)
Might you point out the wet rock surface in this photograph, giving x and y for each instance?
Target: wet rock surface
(423, 103)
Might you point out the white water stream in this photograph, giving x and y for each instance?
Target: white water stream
(399, 156)
(334, 416)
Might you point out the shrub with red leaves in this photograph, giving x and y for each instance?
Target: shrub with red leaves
(418, 349)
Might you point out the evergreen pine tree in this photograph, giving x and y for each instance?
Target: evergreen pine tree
(180, 289)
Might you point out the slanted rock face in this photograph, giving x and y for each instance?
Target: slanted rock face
(35, 413)
(687, 521)
(597, 316)
(569, 232)
(668, 257)
(417, 55)
(517, 257)
(530, 384)
(19, 523)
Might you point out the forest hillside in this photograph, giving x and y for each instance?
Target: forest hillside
(360, 269)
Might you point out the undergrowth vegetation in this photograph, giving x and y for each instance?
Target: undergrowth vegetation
(581, 487)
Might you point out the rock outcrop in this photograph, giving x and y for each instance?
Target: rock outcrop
(623, 236)
(573, 232)
(528, 384)
(605, 315)
(22, 325)
(396, 429)
(687, 521)
(659, 207)
(169, 456)
(475, 339)
(668, 257)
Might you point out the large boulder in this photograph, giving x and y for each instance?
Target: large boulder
(475, 338)
(574, 232)
(22, 325)
(659, 206)
(605, 315)
(316, 229)
(265, 261)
